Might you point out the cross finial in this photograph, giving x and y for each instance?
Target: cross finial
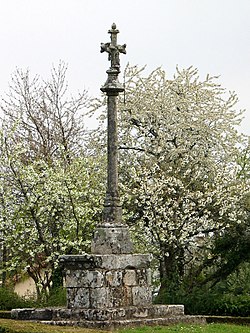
(112, 48)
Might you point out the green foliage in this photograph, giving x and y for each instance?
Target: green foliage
(52, 212)
(230, 297)
(50, 188)
(57, 297)
(227, 258)
(201, 302)
(10, 300)
(215, 303)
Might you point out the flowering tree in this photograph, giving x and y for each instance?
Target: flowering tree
(45, 118)
(49, 187)
(47, 211)
(179, 146)
(226, 258)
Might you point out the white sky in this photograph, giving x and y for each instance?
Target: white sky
(211, 35)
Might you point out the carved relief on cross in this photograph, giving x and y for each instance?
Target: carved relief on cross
(113, 49)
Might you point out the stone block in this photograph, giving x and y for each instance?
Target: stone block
(99, 298)
(105, 261)
(117, 297)
(111, 239)
(143, 277)
(141, 296)
(21, 314)
(102, 314)
(86, 278)
(129, 278)
(128, 298)
(80, 261)
(124, 261)
(78, 298)
(113, 278)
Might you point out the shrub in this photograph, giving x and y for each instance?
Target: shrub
(57, 297)
(10, 300)
(204, 301)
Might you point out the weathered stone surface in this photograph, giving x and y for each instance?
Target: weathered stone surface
(99, 298)
(106, 261)
(130, 278)
(111, 239)
(141, 296)
(80, 262)
(81, 314)
(32, 314)
(114, 278)
(84, 278)
(124, 261)
(78, 298)
(115, 324)
(107, 281)
(110, 318)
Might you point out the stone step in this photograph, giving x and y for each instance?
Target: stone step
(114, 324)
(124, 313)
(131, 312)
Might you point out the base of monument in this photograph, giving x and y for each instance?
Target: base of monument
(109, 318)
(115, 324)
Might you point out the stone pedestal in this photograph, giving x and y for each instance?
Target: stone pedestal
(108, 291)
(111, 239)
(109, 318)
(107, 281)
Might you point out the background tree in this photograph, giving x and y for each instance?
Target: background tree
(50, 188)
(45, 118)
(228, 258)
(179, 147)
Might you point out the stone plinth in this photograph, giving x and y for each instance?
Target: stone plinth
(110, 238)
(111, 318)
(107, 281)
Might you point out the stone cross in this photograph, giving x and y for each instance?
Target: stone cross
(112, 235)
(112, 209)
(113, 49)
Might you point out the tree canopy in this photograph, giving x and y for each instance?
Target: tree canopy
(49, 187)
(179, 148)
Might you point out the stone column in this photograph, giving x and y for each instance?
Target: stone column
(112, 236)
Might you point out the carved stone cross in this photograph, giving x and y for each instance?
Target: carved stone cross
(112, 48)
(112, 235)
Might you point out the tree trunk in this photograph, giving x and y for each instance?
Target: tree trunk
(4, 265)
(171, 272)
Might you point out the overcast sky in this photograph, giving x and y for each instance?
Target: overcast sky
(211, 35)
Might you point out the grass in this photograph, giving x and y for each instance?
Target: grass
(13, 326)
(209, 328)
(20, 326)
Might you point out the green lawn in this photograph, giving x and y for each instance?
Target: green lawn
(12, 326)
(209, 328)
